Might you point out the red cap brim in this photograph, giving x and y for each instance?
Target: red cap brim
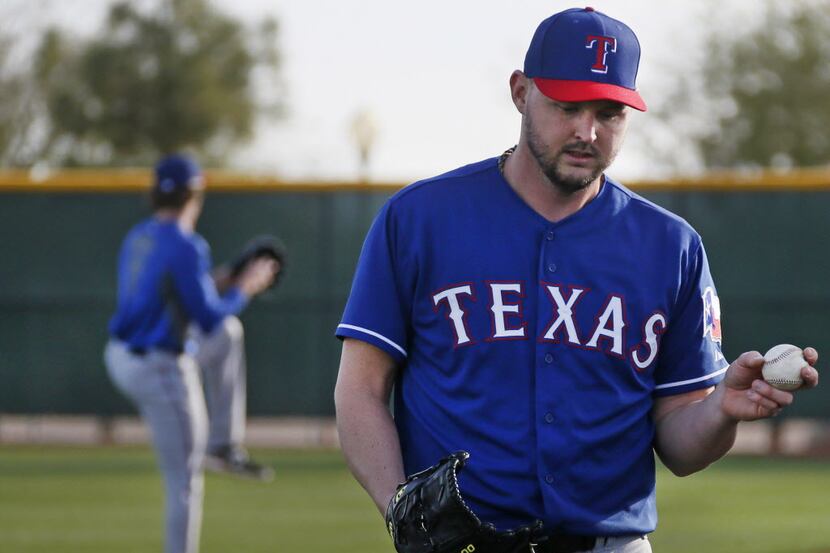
(586, 91)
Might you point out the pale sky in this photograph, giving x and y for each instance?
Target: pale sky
(433, 74)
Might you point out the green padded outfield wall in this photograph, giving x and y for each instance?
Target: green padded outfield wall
(767, 245)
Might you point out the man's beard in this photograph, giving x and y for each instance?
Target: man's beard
(549, 163)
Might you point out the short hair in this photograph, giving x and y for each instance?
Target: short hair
(175, 199)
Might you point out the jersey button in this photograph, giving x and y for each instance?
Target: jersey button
(549, 479)
(549, 235)
(552, 267)
(548, 418)
(548, 358)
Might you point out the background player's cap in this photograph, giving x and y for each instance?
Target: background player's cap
(177, 172)
(581, 54)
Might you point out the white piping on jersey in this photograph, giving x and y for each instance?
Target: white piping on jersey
(376, 335)
(692, 381)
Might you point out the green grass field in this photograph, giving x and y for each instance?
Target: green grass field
(62, 500)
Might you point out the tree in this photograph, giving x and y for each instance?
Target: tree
(10, 94)
(18, 113)
(179, 77)
(769, 90)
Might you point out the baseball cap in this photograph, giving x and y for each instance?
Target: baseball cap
(177, 172)
(580, 54)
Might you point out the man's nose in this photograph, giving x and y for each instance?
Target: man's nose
(585, 127)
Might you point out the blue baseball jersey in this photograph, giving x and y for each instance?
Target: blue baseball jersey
(538, 347)
(164, 283)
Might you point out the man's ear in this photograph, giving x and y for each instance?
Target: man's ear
(519, 86)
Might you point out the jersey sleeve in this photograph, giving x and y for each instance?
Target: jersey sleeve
(196, 289)
(690, 352)
(376, 309)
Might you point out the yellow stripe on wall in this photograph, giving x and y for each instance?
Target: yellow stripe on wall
(138, 180)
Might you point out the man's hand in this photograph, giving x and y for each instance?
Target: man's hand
(257, 275)
(748, 397)
(697, 428)
(265, 246)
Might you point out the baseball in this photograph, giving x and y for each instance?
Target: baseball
(782, 366)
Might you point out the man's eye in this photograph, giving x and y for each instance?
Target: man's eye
(568, 109)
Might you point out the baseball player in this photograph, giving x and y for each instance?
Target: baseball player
(537, 314)
(172, 327)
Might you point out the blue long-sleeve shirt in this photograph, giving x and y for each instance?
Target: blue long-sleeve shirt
(164, 283)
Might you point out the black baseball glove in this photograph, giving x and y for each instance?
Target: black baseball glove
(428, 515)
(260, 246)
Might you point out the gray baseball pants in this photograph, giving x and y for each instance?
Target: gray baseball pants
(168, 393)
(623, 544)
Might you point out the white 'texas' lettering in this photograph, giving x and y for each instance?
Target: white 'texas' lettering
(508, 321)
(456, 314)
(501, 310)
(613, 312)
(650, 342)
(565, 314)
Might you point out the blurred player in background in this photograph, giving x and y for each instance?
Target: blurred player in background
(532, 311)
(175, 324)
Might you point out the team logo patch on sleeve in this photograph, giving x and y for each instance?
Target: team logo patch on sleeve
(711, 315)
